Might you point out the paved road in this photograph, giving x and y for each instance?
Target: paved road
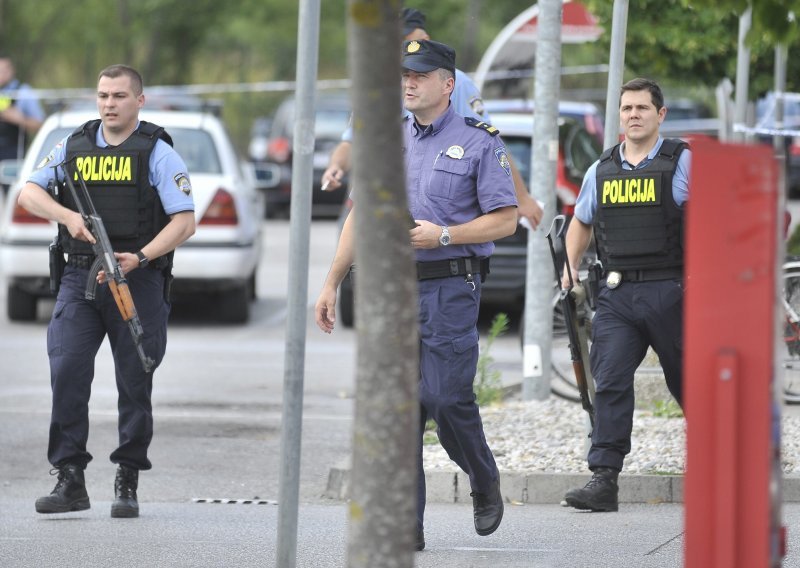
(218, 413)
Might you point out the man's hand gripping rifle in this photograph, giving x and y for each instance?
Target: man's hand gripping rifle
(106, 260)
(568, 299)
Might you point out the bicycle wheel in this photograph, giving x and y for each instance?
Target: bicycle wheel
(790, 384)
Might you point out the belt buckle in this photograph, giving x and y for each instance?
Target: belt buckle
(613, 279)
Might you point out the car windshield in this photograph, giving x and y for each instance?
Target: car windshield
(331, 123)
(196, 147)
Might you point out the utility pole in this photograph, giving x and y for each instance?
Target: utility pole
(544, 159)
(616, 67)
(742, 74)
(382, 510)
(299, 236)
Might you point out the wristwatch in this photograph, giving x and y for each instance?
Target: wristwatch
(143, 260)
(444, 239)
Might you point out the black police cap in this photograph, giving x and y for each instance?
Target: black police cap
(424, 56)
(412, 19)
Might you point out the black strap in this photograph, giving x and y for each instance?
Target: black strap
(463, 266)
(652, 274)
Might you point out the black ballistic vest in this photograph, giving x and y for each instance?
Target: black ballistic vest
(638, 226)
(118, 181)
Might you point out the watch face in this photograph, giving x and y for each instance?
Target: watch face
(444, 240)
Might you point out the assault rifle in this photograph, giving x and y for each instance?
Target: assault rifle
(106, 260)
(569, 298)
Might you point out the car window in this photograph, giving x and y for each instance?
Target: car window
(331, 123)
(196, 147)
(581, 150)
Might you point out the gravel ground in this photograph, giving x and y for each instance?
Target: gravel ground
(550, 436)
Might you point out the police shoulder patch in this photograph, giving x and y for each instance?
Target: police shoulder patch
(183, 183)
(482, 125)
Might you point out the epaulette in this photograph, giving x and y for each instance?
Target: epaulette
(482, 125)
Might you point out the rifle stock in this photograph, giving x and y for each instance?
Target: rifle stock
(568, 299)
(106, 261)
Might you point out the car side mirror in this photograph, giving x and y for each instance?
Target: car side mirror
(265, 174)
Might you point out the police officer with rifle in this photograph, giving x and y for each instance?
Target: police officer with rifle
(633, 198)
(136, 187)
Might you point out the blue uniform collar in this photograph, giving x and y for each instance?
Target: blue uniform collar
(100, 140)
(650, 155)
(441, 121)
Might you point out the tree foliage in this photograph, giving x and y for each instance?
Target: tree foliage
(694, 42)
(58, 45)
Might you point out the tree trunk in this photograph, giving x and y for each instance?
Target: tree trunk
(383, 490)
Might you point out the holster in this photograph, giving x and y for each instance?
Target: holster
(57, 264)
(595, 275)
(168, 278)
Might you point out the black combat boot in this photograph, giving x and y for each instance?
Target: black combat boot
(69, 493)
(600, 494)
(125, 485)
(420, 545)
(488, 509)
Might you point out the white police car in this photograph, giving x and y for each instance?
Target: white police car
(221, 258)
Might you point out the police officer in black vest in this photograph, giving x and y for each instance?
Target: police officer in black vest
(21, 114)
(141, 190)
(633, 198)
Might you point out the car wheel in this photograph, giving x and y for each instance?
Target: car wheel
(21, 306)
(234, 306)
(346, 304)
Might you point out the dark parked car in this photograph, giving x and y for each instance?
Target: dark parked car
(332, 115)
(579, 146)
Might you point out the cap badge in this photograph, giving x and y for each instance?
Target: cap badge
(413, 47)
(455, 152)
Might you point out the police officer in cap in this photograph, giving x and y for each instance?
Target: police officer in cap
(143, 195)
(633, 198)
(461, 196)
(466, 100)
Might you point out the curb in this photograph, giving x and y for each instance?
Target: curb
(545, 488)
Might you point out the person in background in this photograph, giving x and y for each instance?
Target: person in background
(452, 240)
(21, 114)
(633, 198)
(147, 208)
(467, 101)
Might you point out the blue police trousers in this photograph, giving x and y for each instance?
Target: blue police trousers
(628, 320)
(74, 336)
(448, 361)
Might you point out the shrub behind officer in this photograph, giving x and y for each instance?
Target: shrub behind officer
(633, 197)
(461, 195)
(148, 211)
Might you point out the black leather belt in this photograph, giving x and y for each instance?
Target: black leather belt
(453, 267)
(84, 261)
(651, 274)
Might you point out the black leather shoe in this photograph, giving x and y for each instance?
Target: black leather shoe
(420, 540)
(69, 493)
(488, 509)
(599, 495)
(125, 485)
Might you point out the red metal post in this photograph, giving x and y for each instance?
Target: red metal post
(729, 336)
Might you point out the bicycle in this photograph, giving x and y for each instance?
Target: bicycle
(791, 331)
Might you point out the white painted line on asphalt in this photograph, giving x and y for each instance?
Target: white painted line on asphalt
(497, 549)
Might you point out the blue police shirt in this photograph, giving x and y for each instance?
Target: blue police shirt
(167, 173)
(26, 99)
(465, 98)
(586, 205)
(455, 173)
